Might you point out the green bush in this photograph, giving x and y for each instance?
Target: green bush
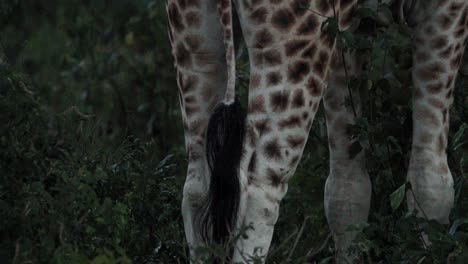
(92, 162)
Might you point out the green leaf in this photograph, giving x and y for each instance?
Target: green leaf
(366, 12)
(385, 13)
(458, 139)
(396, 198)
(457, 223)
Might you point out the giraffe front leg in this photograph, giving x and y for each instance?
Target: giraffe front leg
(283, 100)
(438, 53)
(289, 61)
(272, 160)
(348, 187)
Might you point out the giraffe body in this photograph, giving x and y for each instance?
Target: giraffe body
(292, 62)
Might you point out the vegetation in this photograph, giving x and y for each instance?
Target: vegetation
(93, 161)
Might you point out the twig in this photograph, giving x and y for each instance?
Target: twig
(417, 202)
(17, 251)
(317, 13)
(347, 81)
(283, 243)
(425, 216)
(297, 238)
(311, 255)
(61, 228)
(319, 139)
(344, 65)
(75, 110)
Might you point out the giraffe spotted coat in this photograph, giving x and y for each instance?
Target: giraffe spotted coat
(293, 66)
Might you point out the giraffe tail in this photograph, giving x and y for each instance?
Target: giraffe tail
(225, 135)
(224, 142)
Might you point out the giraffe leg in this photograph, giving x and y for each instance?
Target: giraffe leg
(348, 187)
(289, 61)
(437, 56)
(197, 43)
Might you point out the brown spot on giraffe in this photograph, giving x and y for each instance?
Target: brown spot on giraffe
(273, 78)
(449, 82)
(175, 18)
(263, 39)
(319, 65)
(295, 141)
(314, 87)
(279, 101)
(193, 19)
(272, 149)
(426, 138)
(456, 61)
(256, 2)
(290, 122)
(439, 42)
(263, 126)
(274, 177)
(435, 88)
(294, 160)
(441, 144)
(183, 57)
(193, 42)
(255, 81)
(259, 15)
(283, 19)
(298, 98)
(309, 26)
(193, 3)
(446, 53)
(190, 99)
(430, 72)
(445, 22)
(443, 169)
(309, 52)
(426, 115)
(189, 83)
(436, 103)
(251, 136)
(295, 46)
(422, 56)
(345, 4)
(269, 58)
(298, 70)
(257, 104)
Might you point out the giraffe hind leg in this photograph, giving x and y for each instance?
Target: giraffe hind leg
(438, 53)
(197, 45)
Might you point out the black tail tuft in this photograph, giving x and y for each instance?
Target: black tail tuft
(225, 135)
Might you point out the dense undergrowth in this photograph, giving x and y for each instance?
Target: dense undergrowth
(92, 159)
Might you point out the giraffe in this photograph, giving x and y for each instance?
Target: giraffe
(293, 66)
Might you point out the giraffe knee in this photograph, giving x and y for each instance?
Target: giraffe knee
(263, 203)
(266, 188)
(347, 202)
(194, 188)
(432, 184)
(432, 195)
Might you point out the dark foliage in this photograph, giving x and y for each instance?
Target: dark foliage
(92, 157)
